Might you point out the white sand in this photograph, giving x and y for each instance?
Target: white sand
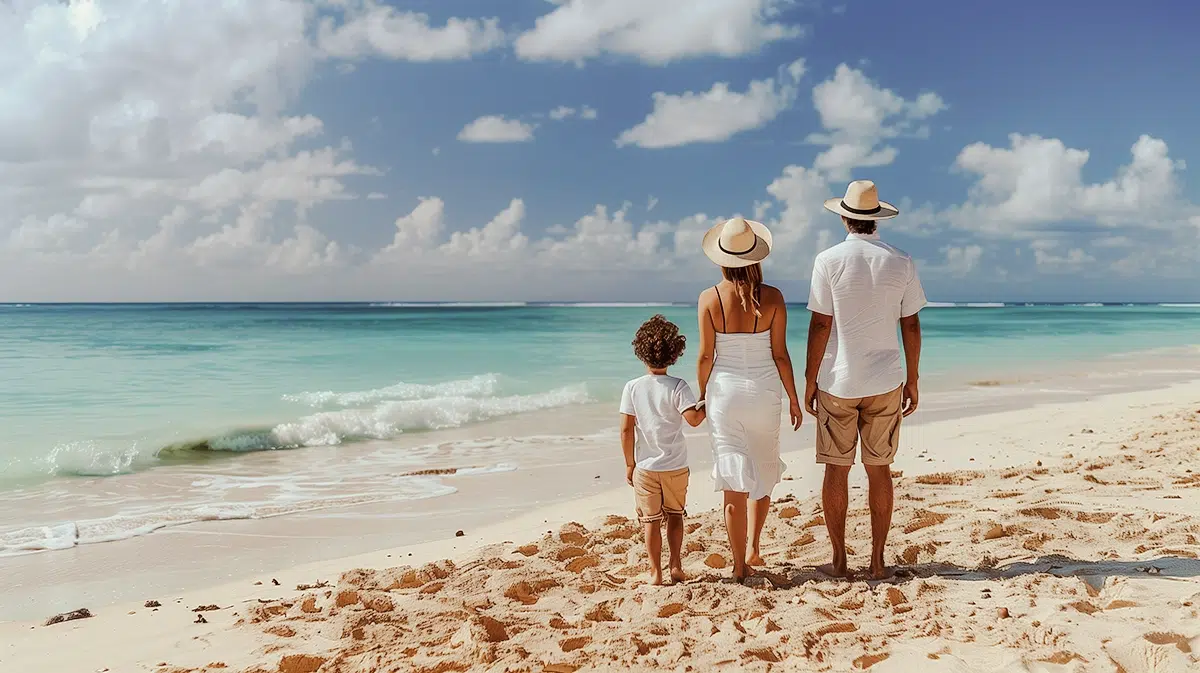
(1117, 504)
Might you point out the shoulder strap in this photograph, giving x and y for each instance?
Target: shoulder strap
(724, 325)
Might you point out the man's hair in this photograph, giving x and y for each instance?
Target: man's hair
(658, 342)
(859, 226)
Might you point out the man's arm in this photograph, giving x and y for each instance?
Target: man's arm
(910, 333)
(627, 439)
(819, 328)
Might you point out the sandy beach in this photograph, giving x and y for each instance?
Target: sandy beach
(1058, 538)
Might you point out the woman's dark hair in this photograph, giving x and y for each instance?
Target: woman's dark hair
(859, 226)
(658, 342)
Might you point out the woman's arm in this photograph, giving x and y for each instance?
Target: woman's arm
(708, 345)
(783, 362)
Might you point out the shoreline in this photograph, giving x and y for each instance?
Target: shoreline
(1049, 433)
(573, 458)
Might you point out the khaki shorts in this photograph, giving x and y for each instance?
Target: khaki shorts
(657, 493)
(842, 423)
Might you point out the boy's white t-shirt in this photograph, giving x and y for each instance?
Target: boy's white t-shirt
(657, 404)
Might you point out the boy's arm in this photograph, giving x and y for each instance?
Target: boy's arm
(627, 439)
(694, 416)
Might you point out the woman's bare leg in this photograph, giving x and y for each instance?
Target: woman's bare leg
(758, 511)
(735, 529)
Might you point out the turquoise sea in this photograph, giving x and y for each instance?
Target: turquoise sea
(110, 390)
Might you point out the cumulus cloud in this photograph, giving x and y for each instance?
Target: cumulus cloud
(859, 116)
(657, 32)
(714, 115)
(1036, 182)
(370, 28)
(961, 260)
(496, 129)
(566, 112)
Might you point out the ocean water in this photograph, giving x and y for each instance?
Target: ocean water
(96, 393)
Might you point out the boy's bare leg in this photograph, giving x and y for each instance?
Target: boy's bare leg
(835, 500)
(879, 484)
(735, 529)
(654, 550)
(675, 546)
(758, 510)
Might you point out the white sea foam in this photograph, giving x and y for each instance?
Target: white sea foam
(941, 304)
(1180, 305)
(486, 385)
(391, 418)
(207, 500)
(985, 304)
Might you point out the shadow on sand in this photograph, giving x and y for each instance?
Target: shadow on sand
(1092, 572)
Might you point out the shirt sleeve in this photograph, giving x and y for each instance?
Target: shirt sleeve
(684, 399)
(627, 399)
(820, 292)
(914, 295)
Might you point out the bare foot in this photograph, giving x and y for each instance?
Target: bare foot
(833, 570)
(755, 560)
(881, 572)
(656, 578)
(677, 575)
(747, 571)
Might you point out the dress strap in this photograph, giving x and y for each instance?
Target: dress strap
(722, 305)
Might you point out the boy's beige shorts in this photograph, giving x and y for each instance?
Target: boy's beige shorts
(659, 493)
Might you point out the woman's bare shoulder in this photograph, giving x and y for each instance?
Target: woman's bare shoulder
(772, 295)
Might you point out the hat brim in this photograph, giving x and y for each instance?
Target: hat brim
(886, 210)
(762, 246)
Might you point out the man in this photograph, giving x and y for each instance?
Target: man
(858, 386)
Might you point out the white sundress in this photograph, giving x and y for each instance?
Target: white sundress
(745, 403)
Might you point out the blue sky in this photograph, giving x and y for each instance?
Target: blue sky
(215, 217)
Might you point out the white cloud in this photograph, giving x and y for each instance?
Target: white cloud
(562, 112)
(858, 116)
(496, 129)
(566, 112)
(961, 260)
(376, 196)
(655, 32)
(651, 203)
(370, 28)
(1049, 257)
(715, 115)
(1038, 182)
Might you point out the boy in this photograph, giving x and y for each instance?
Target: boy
(653, 409)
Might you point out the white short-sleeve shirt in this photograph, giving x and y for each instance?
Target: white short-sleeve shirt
(657, 404)
(867, 286)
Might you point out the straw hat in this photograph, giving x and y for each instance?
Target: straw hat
(862, 203)
(737, 242)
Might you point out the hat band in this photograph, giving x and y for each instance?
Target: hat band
(857, 211)
(747, 251)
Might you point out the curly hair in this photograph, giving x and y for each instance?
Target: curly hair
(658, 342)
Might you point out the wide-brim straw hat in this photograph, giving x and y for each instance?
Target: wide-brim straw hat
(737, 242)
(861, 202)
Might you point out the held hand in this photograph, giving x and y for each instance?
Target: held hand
(810, 397)
(629, 474)
(796, 413)
(910, 398)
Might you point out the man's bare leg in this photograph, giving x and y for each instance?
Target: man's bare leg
(654, 550)
(758, 511)
(835, 500)
(879, 479)
(735, 529)
(675, 545)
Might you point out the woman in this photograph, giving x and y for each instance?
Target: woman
(744, 369)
